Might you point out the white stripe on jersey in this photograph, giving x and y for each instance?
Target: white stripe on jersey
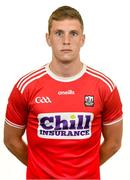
(113, 122)
(28, 82)
(101, 76)
(28, 78)
(14, 125)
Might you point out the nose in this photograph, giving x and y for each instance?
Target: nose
(66, 39)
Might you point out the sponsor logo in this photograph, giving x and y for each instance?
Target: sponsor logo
(68, 92)
(65, 125)
(42, 100)
(89, 101)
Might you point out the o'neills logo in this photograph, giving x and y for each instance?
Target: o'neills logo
(68, 92)
(65, 125)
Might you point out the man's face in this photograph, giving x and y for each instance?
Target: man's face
(65, 38)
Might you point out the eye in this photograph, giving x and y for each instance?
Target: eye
(59, 33)
(74, 33)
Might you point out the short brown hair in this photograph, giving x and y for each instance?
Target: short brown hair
(64, 12)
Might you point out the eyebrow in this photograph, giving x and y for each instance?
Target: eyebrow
(60, 30)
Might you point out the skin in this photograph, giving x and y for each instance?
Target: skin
(66, 39)
(112, 135)
(14, 142)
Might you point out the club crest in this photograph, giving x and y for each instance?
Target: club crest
(89, 100)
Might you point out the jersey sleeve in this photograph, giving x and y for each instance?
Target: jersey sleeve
(17, 111)
(112, 111)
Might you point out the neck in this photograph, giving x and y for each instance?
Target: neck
(66, 69)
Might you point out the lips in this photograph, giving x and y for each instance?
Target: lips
(66, 50)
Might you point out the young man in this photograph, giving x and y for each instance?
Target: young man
(64, 107)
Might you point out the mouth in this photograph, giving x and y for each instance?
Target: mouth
(66, 50)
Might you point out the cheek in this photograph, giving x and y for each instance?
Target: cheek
(55, 43)
(77, 44)
(56, 48)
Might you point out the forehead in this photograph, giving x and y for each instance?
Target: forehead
(66, 25)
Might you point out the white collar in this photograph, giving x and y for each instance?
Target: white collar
(65, 79)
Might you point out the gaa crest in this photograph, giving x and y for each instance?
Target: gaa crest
(89, 100)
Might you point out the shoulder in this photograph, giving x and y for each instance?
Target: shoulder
(103, 80)
(30, 78)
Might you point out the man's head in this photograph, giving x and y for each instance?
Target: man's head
(65, 34)
(62, 13)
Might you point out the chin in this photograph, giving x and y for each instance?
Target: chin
(66, 61)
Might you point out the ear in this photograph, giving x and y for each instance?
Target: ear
(83, 40)
(48, 39)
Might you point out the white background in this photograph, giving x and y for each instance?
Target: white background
(23, 24)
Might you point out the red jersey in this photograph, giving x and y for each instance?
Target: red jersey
(63, 118)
